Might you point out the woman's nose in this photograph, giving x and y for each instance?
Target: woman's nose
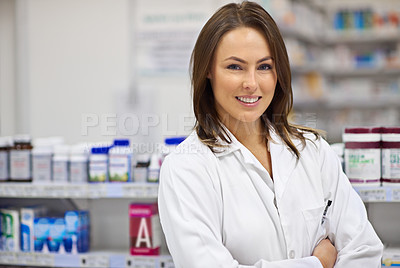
(250, 82)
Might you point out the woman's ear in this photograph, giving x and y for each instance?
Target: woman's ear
(209, 75)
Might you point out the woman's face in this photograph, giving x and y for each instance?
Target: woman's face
(242, 76)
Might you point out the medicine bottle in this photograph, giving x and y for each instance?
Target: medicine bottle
(120, 159)
(140, 170)
(20, 159)
(78, 164)
(60, 163)
(362, 155)
(5, 145)
(98, 164)
(42, 155)
(154, 168)
(391, 155)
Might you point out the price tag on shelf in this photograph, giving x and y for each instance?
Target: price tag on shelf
(396, 194)
(79, 190)
(94, 261)
(44, 259)
(96, 190)
(140, 262)
(8, 257)
(26, 258)
(372, 195)
(132, 190)
(114, 189)
(165, 262)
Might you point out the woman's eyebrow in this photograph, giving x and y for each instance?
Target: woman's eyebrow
(243, 61)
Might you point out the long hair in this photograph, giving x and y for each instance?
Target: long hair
(209, 128)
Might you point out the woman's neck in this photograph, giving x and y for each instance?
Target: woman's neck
(248, 133)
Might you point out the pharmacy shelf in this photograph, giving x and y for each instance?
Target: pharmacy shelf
(374, 72)
(342, 103)
(93, 260)
(299, 34)
(379, 193)
(361, 37)
(87, 191)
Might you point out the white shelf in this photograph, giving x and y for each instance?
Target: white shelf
(357, 37)
(89, 190)
(291, 32)
(379, 193)
(93, 260)
(363, 72)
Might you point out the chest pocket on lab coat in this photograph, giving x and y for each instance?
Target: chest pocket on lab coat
(316, 231)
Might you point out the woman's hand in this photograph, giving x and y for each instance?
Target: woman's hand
(326, 253)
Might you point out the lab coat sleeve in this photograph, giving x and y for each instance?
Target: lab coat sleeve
(190, 207)
(349, 229)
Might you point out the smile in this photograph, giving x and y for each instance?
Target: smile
(248, 100)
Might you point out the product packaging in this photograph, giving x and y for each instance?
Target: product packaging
(391, 156)
(78, 161)
(5, 144)
(55, 241)
(77, 231)
(140, 170)
(41, 231)
(145, 229)
(10, 229)
(61, 163)
(362, 155)
(41, 160)
(20, 159)
(98, 164)
(28, 215)
(120, 157)
(154, 168)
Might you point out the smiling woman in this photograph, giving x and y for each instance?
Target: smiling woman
(247, 188)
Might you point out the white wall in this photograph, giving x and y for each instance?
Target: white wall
(73, 59)
(7, 68)
(75, 64)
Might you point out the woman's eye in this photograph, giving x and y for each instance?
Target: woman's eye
(265, 67)
(234, 67)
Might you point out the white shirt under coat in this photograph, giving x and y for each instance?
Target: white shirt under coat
(223, 209)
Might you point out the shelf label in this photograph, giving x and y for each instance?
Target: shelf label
(165, 262)
(25, 258)
(371, 195)
(44, 259)
(396, 194)
(8, 257)
(94, 261)
(140, 262)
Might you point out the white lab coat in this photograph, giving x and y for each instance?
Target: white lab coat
(223, 209)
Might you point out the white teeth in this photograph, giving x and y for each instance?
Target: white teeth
(248, 100)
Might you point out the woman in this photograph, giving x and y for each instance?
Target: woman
(247, 188)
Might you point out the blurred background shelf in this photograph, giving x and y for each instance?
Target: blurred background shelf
(98, 259)
(89, 190)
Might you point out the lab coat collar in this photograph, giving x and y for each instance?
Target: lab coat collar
(283, 160)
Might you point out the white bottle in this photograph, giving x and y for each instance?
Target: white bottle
(60, 163)
(98, 164)
(42, 154)
(120, 157)
(154, 168)
(5, 144)
(78, 164)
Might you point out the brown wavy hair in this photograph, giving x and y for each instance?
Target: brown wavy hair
(208, 126)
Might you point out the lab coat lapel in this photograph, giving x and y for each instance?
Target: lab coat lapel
(283, 164)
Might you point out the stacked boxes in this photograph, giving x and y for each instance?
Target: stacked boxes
(144, 229)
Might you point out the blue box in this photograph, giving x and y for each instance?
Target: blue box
(77, 232)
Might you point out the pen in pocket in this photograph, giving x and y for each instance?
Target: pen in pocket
(325, 211)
